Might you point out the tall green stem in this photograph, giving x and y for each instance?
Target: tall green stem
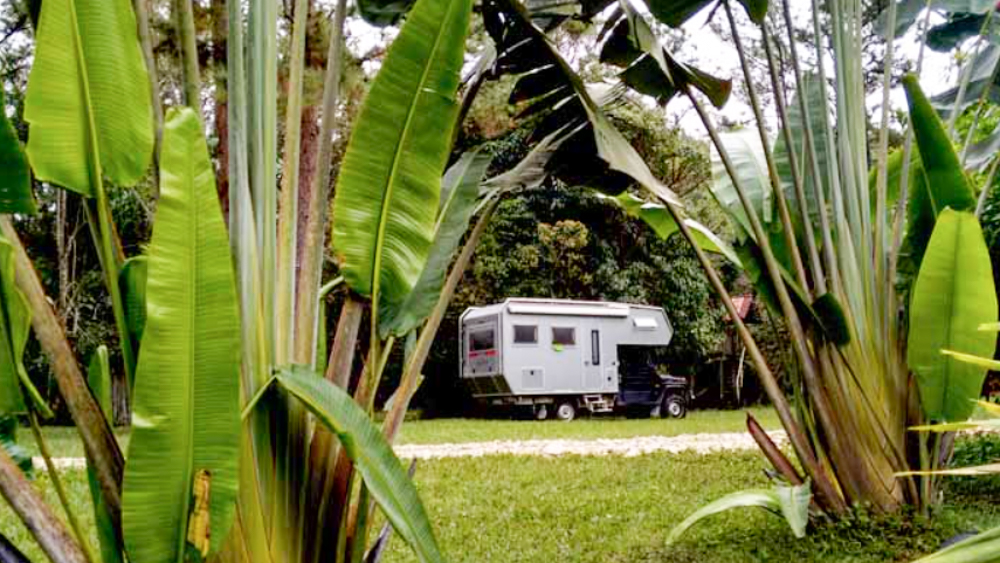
(187, 37)
(311, 262)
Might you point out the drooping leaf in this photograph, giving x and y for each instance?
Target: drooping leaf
(186, 393)
(659, 219)
(15, 182)
(790, 502)
(99, 380)
(953, 295)
(650, 68)
(8, 441)
(596, 154)
(384, 476)
(980, 548)
(942, 183)
(460, 188)
(88, 101)
(747, 156)
(388, 188)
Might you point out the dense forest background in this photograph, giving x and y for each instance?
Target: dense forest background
(555, 240)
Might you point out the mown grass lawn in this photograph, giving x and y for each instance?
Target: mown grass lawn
(617, 509)
(614, 509)
(444, 430)
(64, 441)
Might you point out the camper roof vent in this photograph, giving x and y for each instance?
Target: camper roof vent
(644, 323)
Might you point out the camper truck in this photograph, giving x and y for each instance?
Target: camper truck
(554, 357)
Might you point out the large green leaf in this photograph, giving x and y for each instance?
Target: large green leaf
(389, 184)
(15, 324)
(940, 181)
(953, 295)
(186, 417)
(88, 101)
(99, 380)
(747, 156)
(364, 443)
(460, 189)
(15, 183)
(791, 502)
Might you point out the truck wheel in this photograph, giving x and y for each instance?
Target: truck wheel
(541, 412)
(566, 412)
(674, 407)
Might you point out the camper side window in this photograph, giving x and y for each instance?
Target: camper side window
(482, 339)
(564, 336)
(525, 334)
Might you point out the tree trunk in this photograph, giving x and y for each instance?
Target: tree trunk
(220, 25)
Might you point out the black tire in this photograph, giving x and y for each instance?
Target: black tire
(673, 406)
(565, 411)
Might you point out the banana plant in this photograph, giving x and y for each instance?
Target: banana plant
(825, 244)
(225, 385)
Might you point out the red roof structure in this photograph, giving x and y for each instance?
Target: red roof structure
(743, 304)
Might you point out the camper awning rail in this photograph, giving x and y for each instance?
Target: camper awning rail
(568, 309)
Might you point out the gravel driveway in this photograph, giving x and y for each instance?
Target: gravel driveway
(700, 443)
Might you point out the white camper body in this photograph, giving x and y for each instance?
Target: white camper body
(548, 351)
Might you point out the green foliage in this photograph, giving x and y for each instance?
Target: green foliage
(88, 100)
(186, 417)
(15, 189)
(389, 184)
(363, 442)
(459, 195)
(792, 503)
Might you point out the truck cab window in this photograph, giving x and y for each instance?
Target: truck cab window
(564, 336)
(483, 339)
(525, 334)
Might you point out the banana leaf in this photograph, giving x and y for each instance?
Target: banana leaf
(99, 380)
(790, 502)
(88, 102)
(942, 183)
(15, 184)
(596, 154)
(388, 188)
(649, 67)
(15, 324)
(980, 548)
(383, 474)
(186, 422)
(954, 294)
(460, 188)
